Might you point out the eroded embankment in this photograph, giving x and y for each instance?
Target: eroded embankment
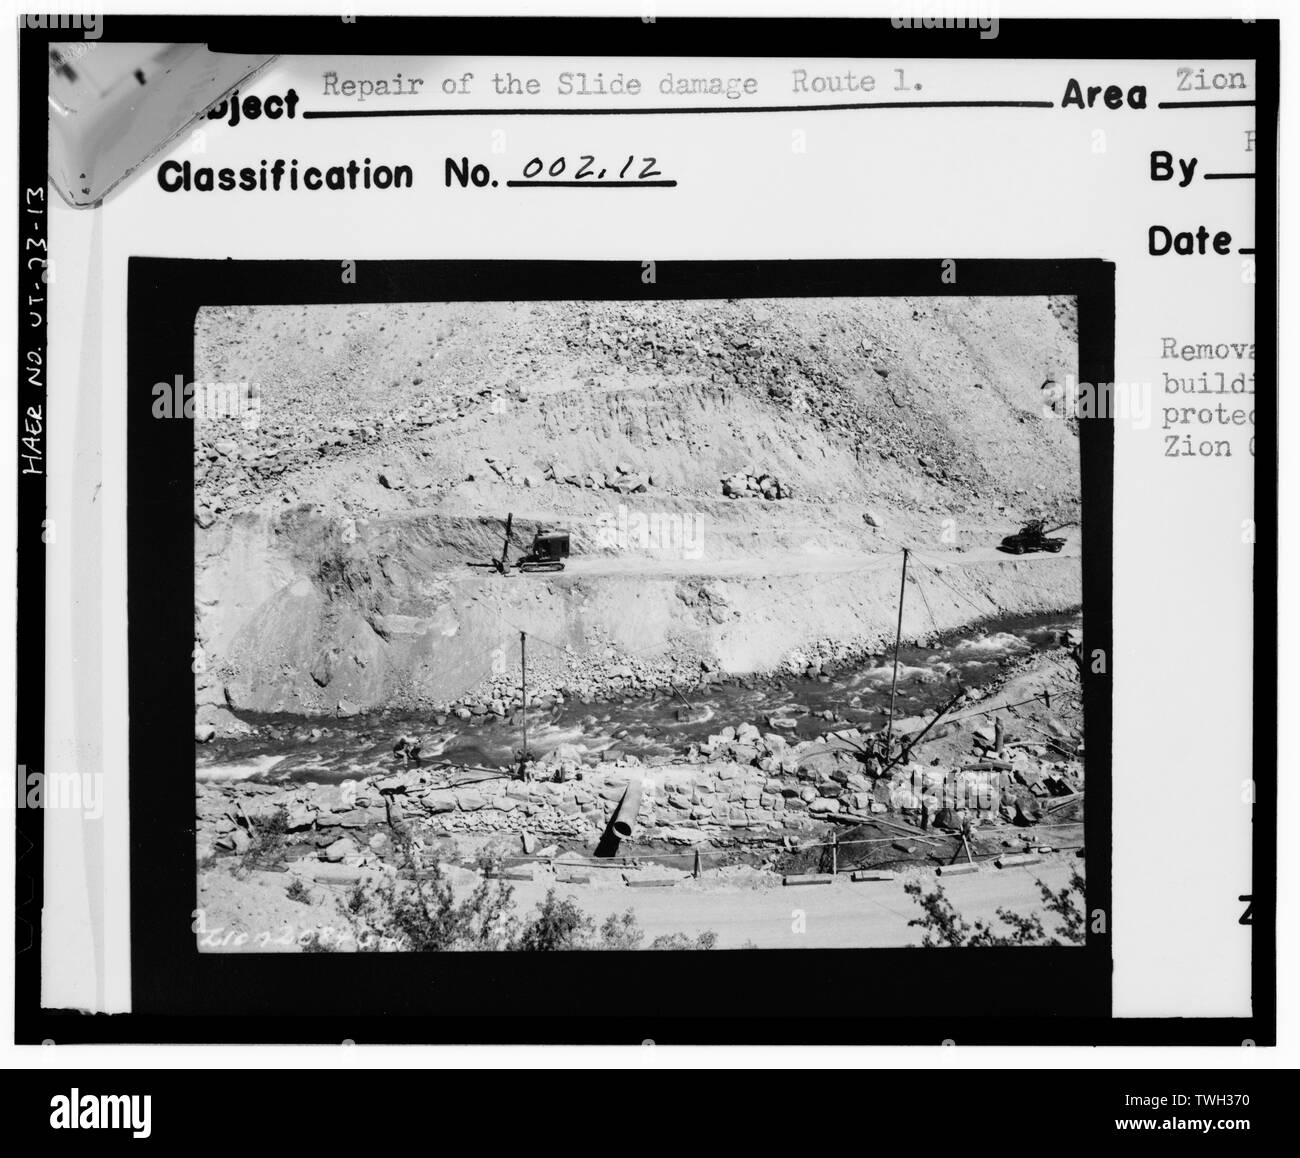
(305, 614)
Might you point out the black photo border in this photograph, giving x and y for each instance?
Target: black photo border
(208, 1017)
(970, 995)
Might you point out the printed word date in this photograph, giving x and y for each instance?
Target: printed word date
(1187, 242)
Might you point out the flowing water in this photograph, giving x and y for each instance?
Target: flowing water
(291, 748)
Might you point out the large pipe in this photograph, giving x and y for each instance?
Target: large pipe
(625, 814)
(912, 742)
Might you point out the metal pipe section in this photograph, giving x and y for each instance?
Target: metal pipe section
(624, 821)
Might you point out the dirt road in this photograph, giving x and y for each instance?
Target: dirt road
(841, 915)
(643, 565)
(790, 564)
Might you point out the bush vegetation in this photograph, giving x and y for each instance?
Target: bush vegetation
(422, 915)
(944, 926)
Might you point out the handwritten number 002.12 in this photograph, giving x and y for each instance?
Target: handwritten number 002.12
(587, 165)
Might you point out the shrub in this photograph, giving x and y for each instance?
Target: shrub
(559, 924)
(681, 941)
(267, 837)
(944, 926)
(422, 915)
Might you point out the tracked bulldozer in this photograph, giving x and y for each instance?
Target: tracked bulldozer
(1033, 536)
(547, 552)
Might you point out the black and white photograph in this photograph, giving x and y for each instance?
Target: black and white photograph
(630, 539)
(602, 625)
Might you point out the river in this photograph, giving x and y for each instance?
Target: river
(326, 750)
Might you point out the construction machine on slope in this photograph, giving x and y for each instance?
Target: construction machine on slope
(547, 552)
(1033, 536)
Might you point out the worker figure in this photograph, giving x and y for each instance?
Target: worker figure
(877, 754)
(869, 757)
(997, 735)
(967, 832)
(408, 748)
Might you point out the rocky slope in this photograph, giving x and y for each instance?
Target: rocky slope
(896, 401)
(737, 475)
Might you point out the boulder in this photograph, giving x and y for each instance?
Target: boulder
(683, 835)
(948, 819)
(439, 801)
(236, 840)
(817, 764)
(298, 818)
(345, 846)
(1028, 810)
(1029, 777)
